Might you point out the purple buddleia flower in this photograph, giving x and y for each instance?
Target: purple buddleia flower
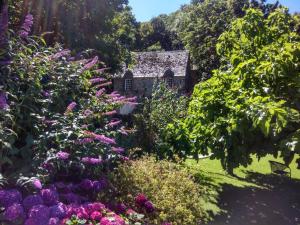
(92, 161)
(84, 141)
(59, 210)
(70, 107)
(49, 196)
(100, 92)
(90, 64)
(87, 112)
(97, 80)
(60, 54)
(114, 123)
(62, 155)
(26, 27)
(123, 131)
(111, 113)
(3, 101)
(105, 140)
(10, 197)
(104, 84)
(118, 150)
(14, 213)
(101, 70)
(132, 99)
(31, 201)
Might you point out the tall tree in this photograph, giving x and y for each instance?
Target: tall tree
(251, 105)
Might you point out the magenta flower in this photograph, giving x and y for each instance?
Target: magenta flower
(70, 107)
(96, 206)
(141, 199)
(105, 140)
(92, 161)
(96, 216)
(14, 213)
(37, 184)
(62, 155)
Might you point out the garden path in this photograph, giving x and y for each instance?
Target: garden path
(276, 203)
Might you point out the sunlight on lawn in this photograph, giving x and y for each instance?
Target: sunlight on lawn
(213, 169)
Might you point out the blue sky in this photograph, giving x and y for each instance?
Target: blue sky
(144, 10)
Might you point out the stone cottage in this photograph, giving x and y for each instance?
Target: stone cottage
(172, 67)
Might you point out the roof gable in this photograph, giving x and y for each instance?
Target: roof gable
(155, 64)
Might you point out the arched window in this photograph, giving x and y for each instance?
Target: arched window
(169, 78)
(128, 81)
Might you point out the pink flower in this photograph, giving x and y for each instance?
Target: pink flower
(100, 92)
(85, 141)
(111, 113)
(114, 123)
(62, 155)
(140, 199)
(104, 84)
(92, 161)
(118, 149)
(91, 63)
(70, 107)
(97, 80)
(96, 216)
(37, 184)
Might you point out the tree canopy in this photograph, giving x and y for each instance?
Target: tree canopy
(251, 104)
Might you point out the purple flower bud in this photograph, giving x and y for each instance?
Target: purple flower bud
(70, 107)
(118, 150)
(26, 27)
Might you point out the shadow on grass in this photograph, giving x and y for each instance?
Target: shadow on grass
(277, 202)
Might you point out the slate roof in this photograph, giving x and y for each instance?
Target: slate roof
(155, 64)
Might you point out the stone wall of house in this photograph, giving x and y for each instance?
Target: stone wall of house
(142, 86)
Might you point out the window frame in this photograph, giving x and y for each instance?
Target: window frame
(128, 84)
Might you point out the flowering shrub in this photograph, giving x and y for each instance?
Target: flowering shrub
(171, 196)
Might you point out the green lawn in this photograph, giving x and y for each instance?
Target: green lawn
(214, 171)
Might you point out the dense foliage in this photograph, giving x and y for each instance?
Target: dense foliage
(164, 106)
(107, 26)
(177, 197)
(251, 104)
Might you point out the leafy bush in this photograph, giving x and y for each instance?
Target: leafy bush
(164, 106)
(251, 104)
(174, 193)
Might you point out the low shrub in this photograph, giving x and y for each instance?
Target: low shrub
(177, 198)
